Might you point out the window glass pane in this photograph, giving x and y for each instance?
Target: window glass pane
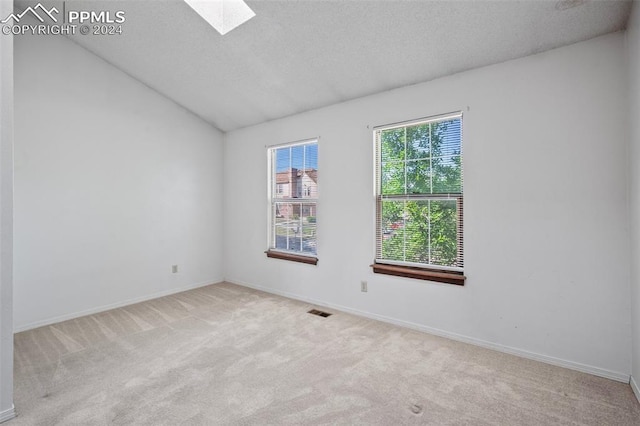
(418, 176)
(417, 225)
(288, 226)
(447, 175)
(282, 159)
(308, 223)
(446, 160)
(443, 235)
(283, 184)
(418, 141)
(392, 230)
(297, 156)
(311, 156)
(297, 162)
(446, 137)
(282, 222)
(393, 178)
(392, 145)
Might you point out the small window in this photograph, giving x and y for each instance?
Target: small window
(419, 199)
(293, 176)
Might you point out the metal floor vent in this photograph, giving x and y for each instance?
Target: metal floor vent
(320, 313)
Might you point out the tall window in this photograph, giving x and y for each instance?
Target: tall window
(419, 198)
(293, 197)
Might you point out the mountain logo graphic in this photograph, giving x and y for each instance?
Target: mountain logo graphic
(34, 11)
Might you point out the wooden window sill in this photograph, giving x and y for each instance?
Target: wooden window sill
(448, 277)
(292, 257)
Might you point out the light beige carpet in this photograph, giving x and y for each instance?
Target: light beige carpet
(225, 354)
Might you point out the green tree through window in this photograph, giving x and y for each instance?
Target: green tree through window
(419, 202)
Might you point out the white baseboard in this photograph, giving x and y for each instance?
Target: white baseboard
(635, 388)
(613, 375)
(8, 414)
(103, 308)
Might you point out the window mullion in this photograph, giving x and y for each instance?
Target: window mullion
(404, 231)
(429, 230)
(430, 163)
(404, 211)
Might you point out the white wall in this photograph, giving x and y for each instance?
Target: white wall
(113, 185)
(546, 218)
(6, 220)
(633, 46)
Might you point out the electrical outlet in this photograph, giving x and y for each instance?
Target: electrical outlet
(174, 269)
(363, 286)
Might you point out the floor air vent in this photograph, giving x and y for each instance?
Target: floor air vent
(320, 313)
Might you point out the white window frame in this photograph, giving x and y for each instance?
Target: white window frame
(378, 193)
(272, 200)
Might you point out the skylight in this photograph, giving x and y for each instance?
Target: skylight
(223, 15)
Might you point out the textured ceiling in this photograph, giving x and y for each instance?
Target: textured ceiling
(300, 55)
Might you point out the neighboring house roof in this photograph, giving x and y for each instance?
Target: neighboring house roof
(313, 174)
(282, 177)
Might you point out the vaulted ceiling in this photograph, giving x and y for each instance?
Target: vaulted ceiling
(295, 56)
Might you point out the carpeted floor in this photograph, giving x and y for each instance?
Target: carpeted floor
(225, 354)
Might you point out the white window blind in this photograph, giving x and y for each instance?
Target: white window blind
(293, 197)
(419, 193)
